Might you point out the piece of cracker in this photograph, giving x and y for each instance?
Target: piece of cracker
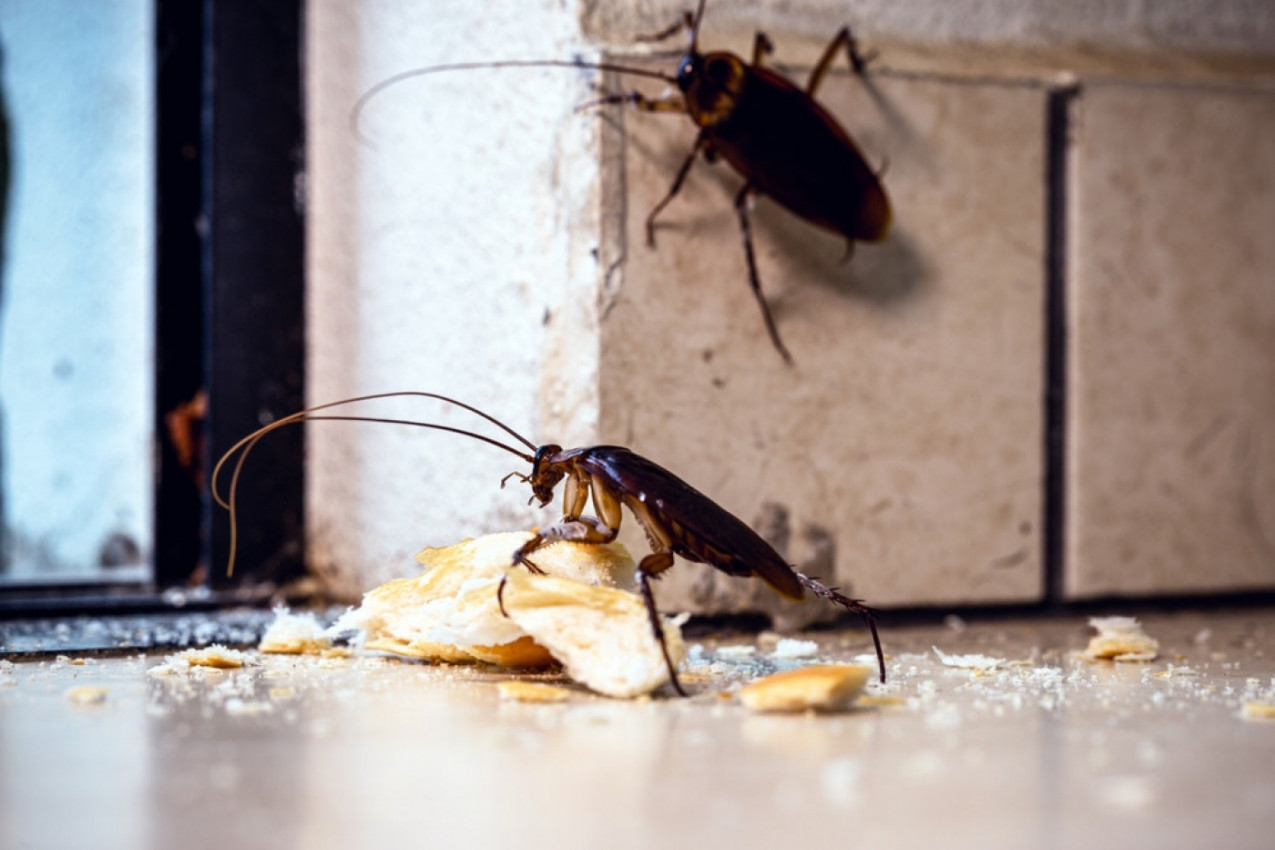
(1120, 639)
(520, 691)
(826, 687)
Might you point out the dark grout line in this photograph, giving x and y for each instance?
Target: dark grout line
(1057, 173)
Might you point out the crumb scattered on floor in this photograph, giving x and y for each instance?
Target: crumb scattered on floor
(87, 694)
(522, 691)
(826, 687)
(1120, 639)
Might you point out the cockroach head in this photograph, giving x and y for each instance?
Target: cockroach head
(545, 474)
(712, 85)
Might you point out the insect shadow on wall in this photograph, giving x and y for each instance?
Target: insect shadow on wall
(775, 134)
(677, 518)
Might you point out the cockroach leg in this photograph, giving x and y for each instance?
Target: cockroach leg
(741, 207)
(669, 103)
(858, 63)
(830, 593)
(701, 144)
(644, 580)
(515, 474)
(849, 254)
(519, 560)
(762, 47)
(684, 23)
(500, 595)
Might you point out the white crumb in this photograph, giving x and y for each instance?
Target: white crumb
(972, 661)
(793, 648)
(736, 651)
(294, 634)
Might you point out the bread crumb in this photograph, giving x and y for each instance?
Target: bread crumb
(973, 661)
(581, 613)
(87, 694)
(294, 634)
(737, 651)
(520, 691)
(450, 612)
(601, 635)
(793, 648)
(827, 687)
(282, 693)
(215, 656)
(237, 707)
(1259, 711)
(1120, 639)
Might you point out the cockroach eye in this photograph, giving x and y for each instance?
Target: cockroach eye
(686, 71)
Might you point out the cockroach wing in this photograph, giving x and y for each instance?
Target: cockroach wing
(699, 529)
(790, 148)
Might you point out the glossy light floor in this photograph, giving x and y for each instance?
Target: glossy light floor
(1043, 750)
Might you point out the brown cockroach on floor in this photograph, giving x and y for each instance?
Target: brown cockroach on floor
(783, 143)
(677, 518)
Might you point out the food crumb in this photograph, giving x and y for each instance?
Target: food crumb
(237, 707)
(968, 662)
(1120, 639)
(87, 694)
(821, 688)
(216, 657)
(736, 651)
(794, 648)
(294, 634)
(1259, 711)
(520, 691)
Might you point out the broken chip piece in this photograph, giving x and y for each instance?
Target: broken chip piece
(520, 691)
(1120, 639)
(602, 635)
(294, 634)
(826, 687)
(580, 612)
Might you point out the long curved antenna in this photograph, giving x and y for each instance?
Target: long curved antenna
(699, 16)
(245, 445)
(357, 111)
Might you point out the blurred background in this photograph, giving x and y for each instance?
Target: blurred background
(1054, 382)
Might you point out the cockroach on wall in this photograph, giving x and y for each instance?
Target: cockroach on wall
(677, 518)
(783, 143)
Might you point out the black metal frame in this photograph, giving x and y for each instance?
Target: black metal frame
(229, 277)
(255, 261)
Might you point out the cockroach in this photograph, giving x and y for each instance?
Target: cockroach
(774, 134)
(677, 518)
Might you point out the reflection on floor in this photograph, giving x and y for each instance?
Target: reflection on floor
(1028, 747)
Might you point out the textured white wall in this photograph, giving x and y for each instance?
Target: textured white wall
(76, 294)
(450, 256)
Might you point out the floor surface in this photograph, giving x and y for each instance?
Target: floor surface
(1029, 747)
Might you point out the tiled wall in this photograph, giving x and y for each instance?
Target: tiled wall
(1171, 354)
(909, 429)
(1085, 256)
